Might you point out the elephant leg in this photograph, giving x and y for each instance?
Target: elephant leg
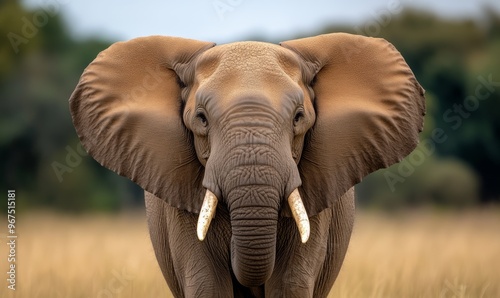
(156, 217)
(192, 268)
(309, 270)
(298, 264)
(340, 233)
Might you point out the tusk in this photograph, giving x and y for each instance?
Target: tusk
(300, 215)
(207, 212)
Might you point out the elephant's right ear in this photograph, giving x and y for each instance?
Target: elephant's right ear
(127, 112)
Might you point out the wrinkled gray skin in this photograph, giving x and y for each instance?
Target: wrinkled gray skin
(203, 269)
(250, 122)
(247, 140)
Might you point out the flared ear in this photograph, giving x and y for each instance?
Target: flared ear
(127, 112)
(369, 109)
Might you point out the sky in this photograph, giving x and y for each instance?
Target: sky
(225, 21)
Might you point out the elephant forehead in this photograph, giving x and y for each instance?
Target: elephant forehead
(246, 70)
(250, 60)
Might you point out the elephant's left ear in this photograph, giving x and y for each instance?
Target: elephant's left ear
(369, 109)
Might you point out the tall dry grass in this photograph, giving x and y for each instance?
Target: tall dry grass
(423, 254)
(412, 254)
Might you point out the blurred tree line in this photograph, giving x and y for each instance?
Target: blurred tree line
(455, 165)
(40, 64)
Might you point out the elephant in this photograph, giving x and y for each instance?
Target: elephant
(248, 152)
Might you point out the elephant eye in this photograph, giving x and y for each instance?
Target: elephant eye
(203, 119)
(299, 115)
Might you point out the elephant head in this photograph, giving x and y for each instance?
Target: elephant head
(266, 130)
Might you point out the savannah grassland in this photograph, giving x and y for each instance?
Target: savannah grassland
(408, 254)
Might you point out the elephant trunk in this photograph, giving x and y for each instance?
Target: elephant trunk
(258, 174)
(253, 243)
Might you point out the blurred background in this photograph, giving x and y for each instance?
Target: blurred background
(453, 47)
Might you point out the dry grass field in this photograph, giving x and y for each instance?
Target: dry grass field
(411, 254)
